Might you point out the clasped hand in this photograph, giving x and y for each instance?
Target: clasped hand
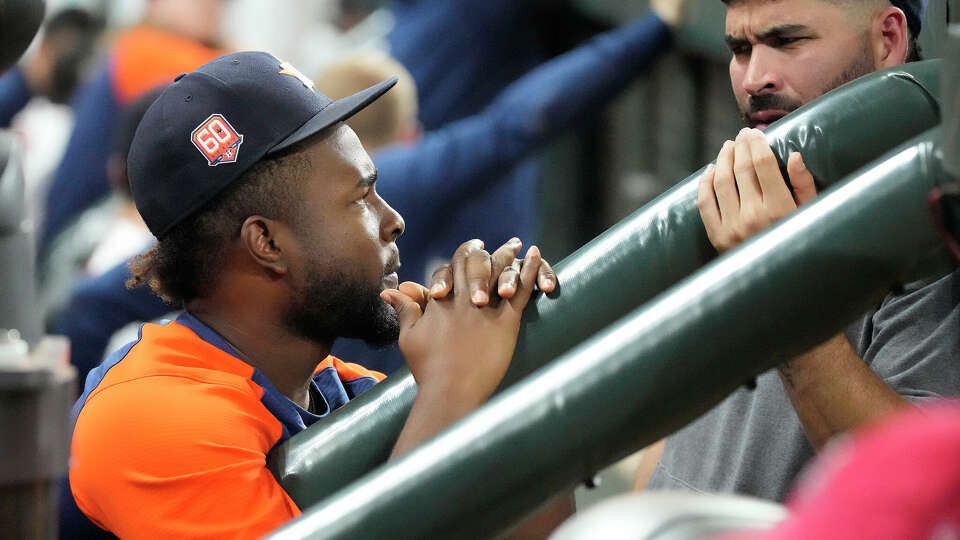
(745, 192)
(458, 336)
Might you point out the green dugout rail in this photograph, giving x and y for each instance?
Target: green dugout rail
(658, 368)
(650, 250)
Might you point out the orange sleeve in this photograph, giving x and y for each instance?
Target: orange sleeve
(171, 457)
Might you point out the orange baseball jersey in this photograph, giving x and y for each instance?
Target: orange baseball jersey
(172, 431)
(145, 57)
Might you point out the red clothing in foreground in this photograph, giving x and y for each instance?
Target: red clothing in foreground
(900, 479)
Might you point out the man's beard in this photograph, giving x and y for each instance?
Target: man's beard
(339, 305)
(860, 66)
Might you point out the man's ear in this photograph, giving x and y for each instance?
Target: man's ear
(259, 236)
(891, 37)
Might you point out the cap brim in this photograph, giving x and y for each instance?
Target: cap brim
(337, 111)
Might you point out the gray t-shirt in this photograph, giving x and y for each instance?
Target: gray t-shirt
(753, 443)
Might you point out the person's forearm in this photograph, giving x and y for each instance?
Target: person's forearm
(433, 410)
(833, 391)
(648, 462)
(450, 163)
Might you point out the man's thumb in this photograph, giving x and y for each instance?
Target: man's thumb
(408, 311)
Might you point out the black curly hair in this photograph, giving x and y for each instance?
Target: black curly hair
(187, 262)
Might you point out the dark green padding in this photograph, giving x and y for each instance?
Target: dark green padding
(621, 269)
(656, 369)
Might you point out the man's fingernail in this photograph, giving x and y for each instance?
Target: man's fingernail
(479, 297)
(437, 288)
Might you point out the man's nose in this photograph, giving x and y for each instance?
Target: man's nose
(761, 76)
(391, 224)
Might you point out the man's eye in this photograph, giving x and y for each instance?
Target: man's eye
(740, 50)
(784, 41)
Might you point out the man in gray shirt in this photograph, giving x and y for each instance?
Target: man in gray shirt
(786, 53)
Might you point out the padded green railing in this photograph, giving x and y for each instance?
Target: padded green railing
(650, 250)
(658, 368)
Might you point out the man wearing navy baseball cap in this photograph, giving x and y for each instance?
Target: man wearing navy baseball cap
(273, 238)
(783, 54)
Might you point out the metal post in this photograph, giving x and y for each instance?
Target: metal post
(36, 393)
(17, 307)
(37, 388)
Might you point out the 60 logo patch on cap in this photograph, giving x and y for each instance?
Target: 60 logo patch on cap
(217, 140)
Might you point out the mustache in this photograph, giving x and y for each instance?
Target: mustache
(766, 102)
(393, 266)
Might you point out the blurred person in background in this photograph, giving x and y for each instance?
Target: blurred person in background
(55, 67)
(104, 235)
(174, 37)
(785, 54)
(462, 54)
(36, 93)
(434, 181)
(390, 120)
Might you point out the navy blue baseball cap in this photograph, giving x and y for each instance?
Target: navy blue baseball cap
(210, 125)
(913, 9)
